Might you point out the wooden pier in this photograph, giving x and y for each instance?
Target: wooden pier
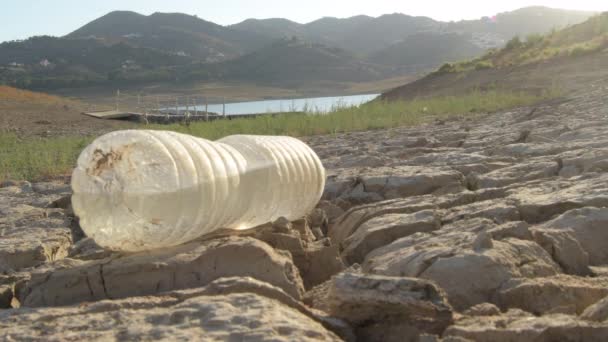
(111, 114)
(165, 110)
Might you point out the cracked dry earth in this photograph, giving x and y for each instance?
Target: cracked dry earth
(486, 229)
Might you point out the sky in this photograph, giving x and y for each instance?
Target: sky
(20, 19)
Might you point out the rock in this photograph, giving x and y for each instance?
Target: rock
(31, 231)
(233, 311)
(565, 250)
(26, 186)
(514, 174)
(483, 309)
(87, 249)
(518, 326)
(518, 229)
(302, 227)
(318, 219)
(388, 308)
(229, 285)
(282, 225)
(64, 202)
(499, 211)
(412, 180)
(332, 211)
(32, 236)
(492, 209)
(599, 271)
(382, 230)
(337, 183)
(191, 265)
(318, 233)
(482, 241)
(359, 195)
(6, 296)
(522, 150)
(355, 217)
(579, 161)
(448, 258)
(52, 188)
(453, 158)
(541, 201)
(597, 312)
(589, 228)
(374, 184)
(343, 204)
(320, 263)
(557, 294)
(7, 183)
(316, 297)
(316, 261)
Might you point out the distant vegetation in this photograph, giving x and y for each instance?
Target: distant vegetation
(295, 59)
(561, 58)
(35, 158)
(125, 47)
(585, 38)
(49, 62)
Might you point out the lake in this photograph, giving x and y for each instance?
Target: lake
(313, 104)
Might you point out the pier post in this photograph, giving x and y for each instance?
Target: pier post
(117, 98)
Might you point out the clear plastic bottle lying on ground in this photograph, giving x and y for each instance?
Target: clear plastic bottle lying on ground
(137, 190)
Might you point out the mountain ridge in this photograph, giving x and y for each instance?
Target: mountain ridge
(557, 59)
(143, 47)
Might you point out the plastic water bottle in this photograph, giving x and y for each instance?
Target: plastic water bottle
(137, 189)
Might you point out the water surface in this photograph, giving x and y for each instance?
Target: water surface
(313, 104)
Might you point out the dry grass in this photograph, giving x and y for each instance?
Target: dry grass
(10, 94)
(35, 158)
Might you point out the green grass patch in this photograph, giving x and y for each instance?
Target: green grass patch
(37, 158)
(33, 158)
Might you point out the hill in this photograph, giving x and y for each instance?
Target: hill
(42, 62)
(26, 113)
(299, 60)
(274, 28)
(564, 58)
(126, 47)
(524, 21)
(364, 35)
(427, 49)
(172, 33)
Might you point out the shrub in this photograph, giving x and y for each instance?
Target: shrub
(446, 68)
(514, 43)
(482, 65)
(533, 39)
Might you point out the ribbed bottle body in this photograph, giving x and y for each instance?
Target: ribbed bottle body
(283, 177)
(137, 189)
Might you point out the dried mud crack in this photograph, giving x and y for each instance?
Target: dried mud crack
(491, 229)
